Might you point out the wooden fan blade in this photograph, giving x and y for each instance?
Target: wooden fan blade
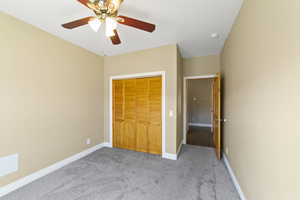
(136, 23)
(89, 4)
(115, 39)
(78, 23)
(84, 2)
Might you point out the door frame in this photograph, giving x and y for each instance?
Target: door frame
(163, 106)
(185, 79)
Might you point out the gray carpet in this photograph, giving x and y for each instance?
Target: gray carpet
(114, 174)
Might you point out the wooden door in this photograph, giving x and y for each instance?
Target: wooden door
(129, 127)
(142, 122)
(118, 113)
(124, 114)
(217, 114)
(137, 114)
(155, 116)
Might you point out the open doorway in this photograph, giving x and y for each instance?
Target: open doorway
(202, 111)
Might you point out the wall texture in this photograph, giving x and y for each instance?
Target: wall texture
(204, 65)
(51, 97)
(158, 59)
(260, 64)
(200, 107)
(179, 99)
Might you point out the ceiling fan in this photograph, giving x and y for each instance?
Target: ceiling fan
(107, 12)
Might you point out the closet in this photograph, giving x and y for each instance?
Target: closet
(137, 117)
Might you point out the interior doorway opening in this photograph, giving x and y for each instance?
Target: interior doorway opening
(200, 112)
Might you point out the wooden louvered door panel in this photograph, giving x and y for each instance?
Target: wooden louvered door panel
(129, 128)
(137, 114)
(142, 107)
(118, 114)
(155, 118)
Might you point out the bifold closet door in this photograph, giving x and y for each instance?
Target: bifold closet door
(137, 114)
(124, 133)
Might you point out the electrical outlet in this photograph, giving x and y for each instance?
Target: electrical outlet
(227, 151)
(88, 141)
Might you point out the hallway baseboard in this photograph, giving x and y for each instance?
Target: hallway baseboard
(179, 148)
(234, 179)
(200, 125)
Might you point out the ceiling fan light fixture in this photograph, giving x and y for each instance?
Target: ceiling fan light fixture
(113, 5)
(111, 25)
(102, 2)
(106, 12)
(95, 24)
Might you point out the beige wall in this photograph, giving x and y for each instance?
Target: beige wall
(199, 109)
(179, 99)
(203, 65)
(51, 97)
(261, 68)
(158, 59)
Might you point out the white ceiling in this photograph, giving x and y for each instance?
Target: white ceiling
(189, 23)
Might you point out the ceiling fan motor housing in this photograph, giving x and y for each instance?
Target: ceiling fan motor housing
(106, 8)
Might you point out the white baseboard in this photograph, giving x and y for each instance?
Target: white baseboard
(107, 144)
(200, 125)
(43, 172)
(165, 155)
(234, 179)
(171, 156)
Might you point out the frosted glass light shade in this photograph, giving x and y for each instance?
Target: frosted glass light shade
(95, 24)
(111, 25)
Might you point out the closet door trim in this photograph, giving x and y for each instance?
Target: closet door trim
(163, 99)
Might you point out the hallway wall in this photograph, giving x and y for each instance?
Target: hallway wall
(199, 101)
(179, 134)
(260, 65)
(202, 65)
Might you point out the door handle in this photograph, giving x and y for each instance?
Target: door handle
(221, 120)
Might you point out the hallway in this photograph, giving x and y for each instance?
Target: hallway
(200, 136)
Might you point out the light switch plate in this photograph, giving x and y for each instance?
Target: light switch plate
(88, 141)
(171, 113)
